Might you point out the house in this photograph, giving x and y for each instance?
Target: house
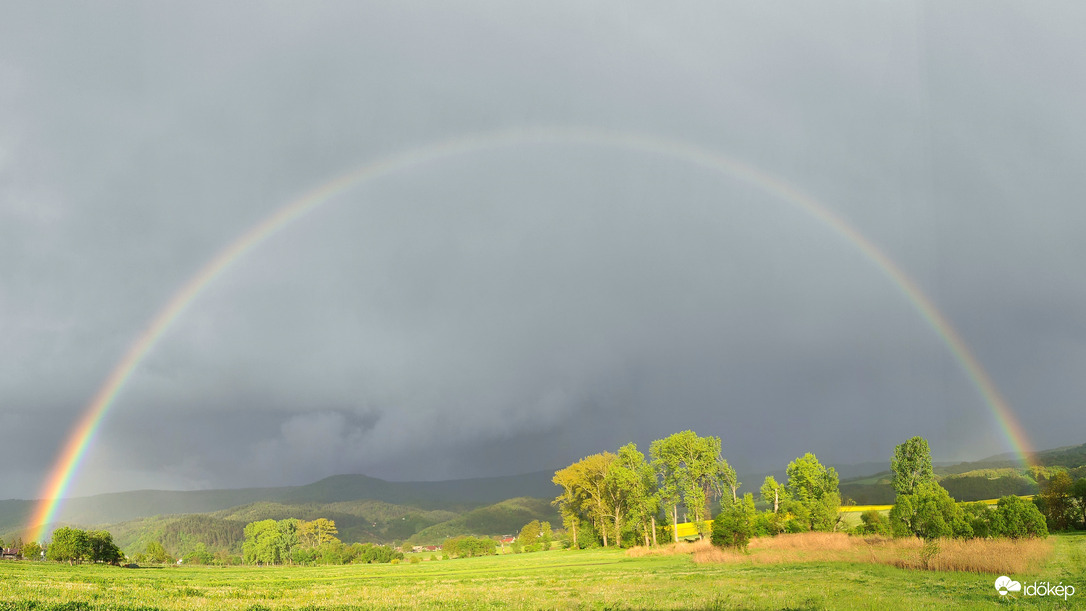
(10, 553)
(508, 539)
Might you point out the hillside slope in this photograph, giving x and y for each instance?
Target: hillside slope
(456, 495)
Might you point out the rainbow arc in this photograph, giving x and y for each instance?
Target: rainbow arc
(75, 449)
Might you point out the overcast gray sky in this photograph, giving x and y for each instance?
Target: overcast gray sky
(515, 309)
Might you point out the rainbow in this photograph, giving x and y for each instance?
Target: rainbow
(78, 442)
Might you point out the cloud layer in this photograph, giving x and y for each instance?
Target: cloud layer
(515, 309)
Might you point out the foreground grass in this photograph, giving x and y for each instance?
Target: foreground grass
(603, 579)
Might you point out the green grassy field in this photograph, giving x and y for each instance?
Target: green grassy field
(557, 579)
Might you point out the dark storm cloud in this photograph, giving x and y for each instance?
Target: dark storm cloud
(515, 309)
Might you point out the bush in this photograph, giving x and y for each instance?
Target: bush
(767, 524)
(928, 514)
(874, 523)
(733, 527)
(1016, 517)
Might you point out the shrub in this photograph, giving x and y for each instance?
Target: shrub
(733, 527)
(1016, 517)
(767, 524)
(874, 523)
(928, 514)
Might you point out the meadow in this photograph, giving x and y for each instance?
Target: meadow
(773, 576)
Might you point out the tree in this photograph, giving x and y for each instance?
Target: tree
(1017, 518)
(529, 536)
(100, 547)
(156, 553)
(288, 538)
(199, 555)
(911, 466)
(261, 544)
(813, 493)
(324, 530)
(874, 523)
(571, 501)
(546, 535)
(772, 492)
(929, 513)
(68, 544)
(1057, 498)
(733, 526)
(1079, 493)
(693, 471)
(585, 489)
(32, 551)
(630, 485)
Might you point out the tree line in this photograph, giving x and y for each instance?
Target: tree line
(624, 498)
(294, 541)
(73, 545)
(621, 498)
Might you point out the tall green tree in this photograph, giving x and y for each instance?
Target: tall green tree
(691, 469)
(773, 493)
(156, 553)
(813, 492)
(101, 548)
(529, 536)
(911, 466)
(630, 488)
(587, 480)
(261, 544)
(288, 538)
(570, 501)
(68, 544)
(1057, 500)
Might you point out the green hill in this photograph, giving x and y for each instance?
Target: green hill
(454, 495)
(504, 518)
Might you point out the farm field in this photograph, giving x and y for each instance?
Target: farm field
(600, 579)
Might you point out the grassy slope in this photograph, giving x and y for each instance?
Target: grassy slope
(558, 579)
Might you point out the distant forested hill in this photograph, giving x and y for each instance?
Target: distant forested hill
(990, 478)
(421, 497)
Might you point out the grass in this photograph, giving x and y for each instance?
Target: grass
(996, 556)
(804, 576)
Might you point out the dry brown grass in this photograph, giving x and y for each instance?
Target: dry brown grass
(997, 556)
(670, 549)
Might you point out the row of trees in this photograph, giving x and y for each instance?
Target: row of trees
(616, 496)
(75, 545)
(307, 542)
(925, 509)
(468, 547)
